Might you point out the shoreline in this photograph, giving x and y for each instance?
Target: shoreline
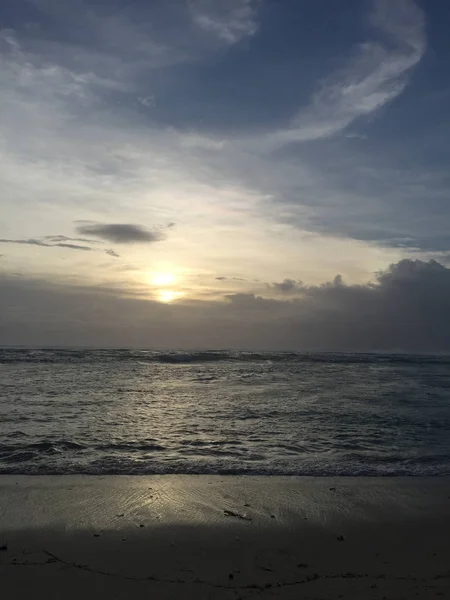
(227, 537)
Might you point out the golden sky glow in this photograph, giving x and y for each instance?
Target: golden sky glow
(162, 279)
(168, 296)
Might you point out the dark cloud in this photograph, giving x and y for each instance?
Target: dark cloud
(71, 246)
(230, 278)
(248, 301)
(405, 308)
(112, 253)
(288, 286)
(120, 233)
(40, 242)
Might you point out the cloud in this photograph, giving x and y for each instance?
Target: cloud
(230, 20)
(77, 143)
(353, 135)
(115, 44)
(374, 75)
(222, 278)
(288, 286)
(121, 233)
(147, 101)
(112, 253)
(405, 308)
(105, 38)
(59, 241)
(38, 242)
(65, 238)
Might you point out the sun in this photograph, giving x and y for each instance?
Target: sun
(167, 296)
(164, 282)
(162, 278)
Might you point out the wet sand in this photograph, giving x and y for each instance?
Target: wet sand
(219, 537)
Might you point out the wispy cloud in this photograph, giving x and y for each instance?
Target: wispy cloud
(60, 241)
(108, 37)
(229, 20)
(37, 242)
(223, 278)
(65, 238)
(374, 75)
(121, 233)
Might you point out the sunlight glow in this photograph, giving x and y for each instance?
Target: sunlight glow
(168, 296)
(162, 278)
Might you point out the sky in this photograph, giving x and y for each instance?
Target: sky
(269, 174)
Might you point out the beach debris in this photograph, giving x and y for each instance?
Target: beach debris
(121, 515)
(272, 516)
(230, 576)
(4, 548)
(333, 489)
(141, 525)
(96, 534)
(231, 513)
(340, 538)
(247, 505)
(124, 539)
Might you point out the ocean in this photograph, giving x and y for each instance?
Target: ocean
(148, 412)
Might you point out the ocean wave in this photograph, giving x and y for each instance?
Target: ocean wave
(142, 357)
(22, 465)
(36, 448)
(129, 447)
(214, 457)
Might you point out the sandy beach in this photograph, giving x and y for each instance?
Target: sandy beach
(224, 537)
